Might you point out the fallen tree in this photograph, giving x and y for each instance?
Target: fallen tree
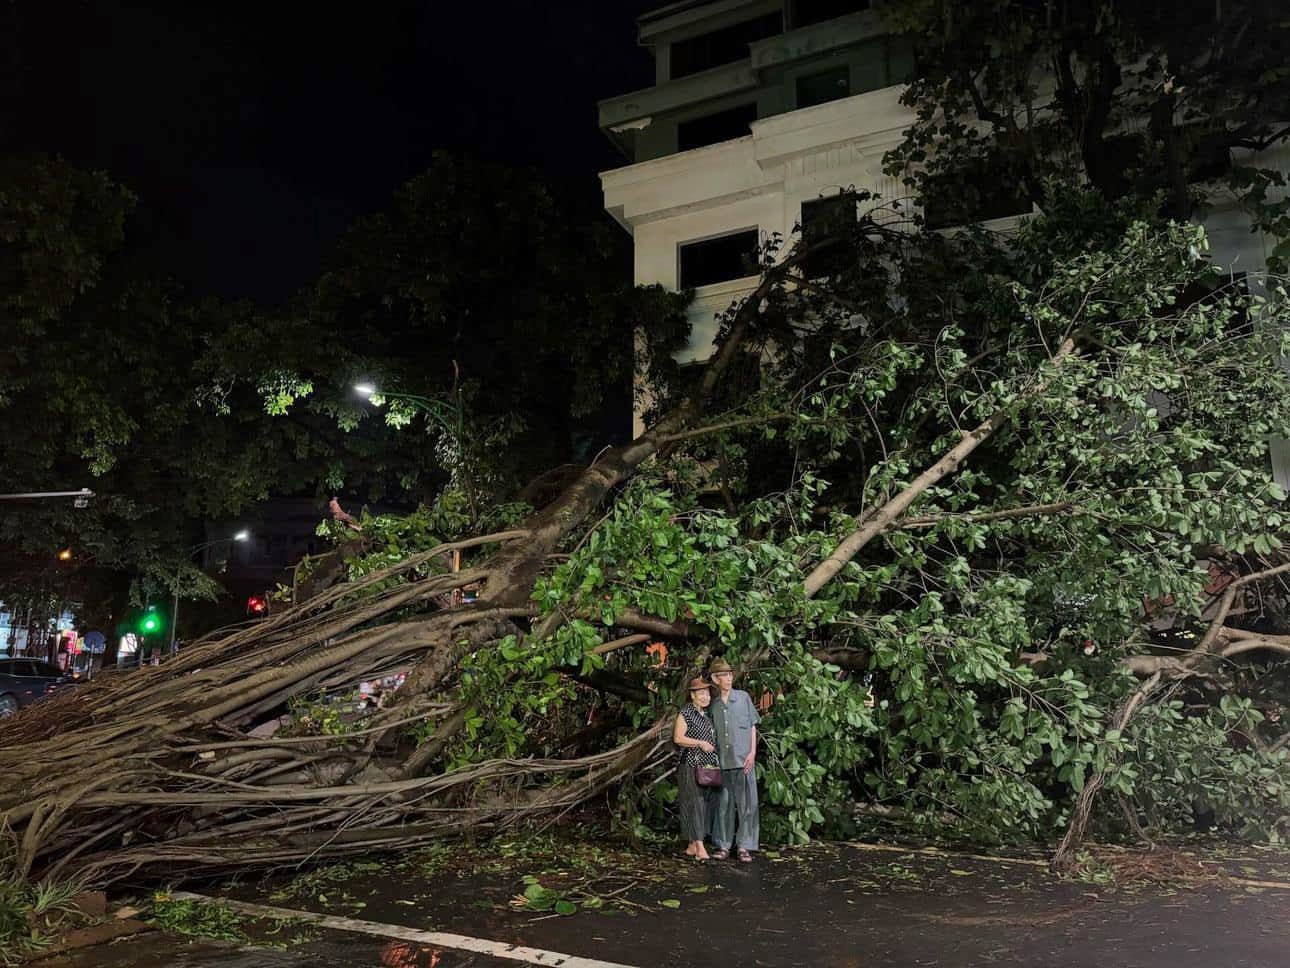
(890, 490)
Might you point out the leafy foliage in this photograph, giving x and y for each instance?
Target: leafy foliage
(33, 915)
(1212, 765)
(1172, 106)
(178, 410)
(197, 919)
(477, 286)
(961, 670)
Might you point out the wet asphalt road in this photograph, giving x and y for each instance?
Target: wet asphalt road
(332, 951)
(831, 905)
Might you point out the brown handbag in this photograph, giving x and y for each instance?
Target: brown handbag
(707, 776)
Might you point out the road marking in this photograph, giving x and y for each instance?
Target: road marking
(460, 942)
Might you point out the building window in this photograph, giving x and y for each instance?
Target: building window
(716, 260)
(823, 86)
(712, 129)
(823, 218)
(977, 196)
(807, 12)
(724, 46)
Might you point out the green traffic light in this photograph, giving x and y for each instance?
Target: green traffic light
(150, 623)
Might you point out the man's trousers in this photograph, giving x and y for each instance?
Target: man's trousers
(735, 819)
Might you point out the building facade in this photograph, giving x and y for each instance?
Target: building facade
(761, 110)
(759, 107)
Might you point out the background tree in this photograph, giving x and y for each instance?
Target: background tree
(479, 285)
(1166, 102)
(111, 381)
(178, 410)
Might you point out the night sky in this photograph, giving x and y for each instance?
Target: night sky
(253, 133)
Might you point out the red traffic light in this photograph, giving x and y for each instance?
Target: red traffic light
(257, 605)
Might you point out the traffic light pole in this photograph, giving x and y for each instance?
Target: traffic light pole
(174, 607)
(174, 618)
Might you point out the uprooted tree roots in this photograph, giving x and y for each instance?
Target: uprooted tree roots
(156, 769)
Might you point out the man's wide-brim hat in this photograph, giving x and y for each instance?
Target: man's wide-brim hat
(719, 665)
(698, 682)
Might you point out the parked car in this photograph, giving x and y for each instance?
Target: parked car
(25, 681)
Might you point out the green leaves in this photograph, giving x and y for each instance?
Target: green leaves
(536, 897)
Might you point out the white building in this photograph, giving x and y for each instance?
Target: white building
(759, 108)
(747, 121)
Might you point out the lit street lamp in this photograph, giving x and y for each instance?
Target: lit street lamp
(449, 416)
(242, 535)
(446, 415)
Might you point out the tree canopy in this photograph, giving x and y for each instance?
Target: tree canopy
(1170, 103)
(178, 410)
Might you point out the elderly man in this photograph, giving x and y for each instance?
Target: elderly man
(735, 719)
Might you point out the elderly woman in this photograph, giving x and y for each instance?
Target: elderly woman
(699, 768)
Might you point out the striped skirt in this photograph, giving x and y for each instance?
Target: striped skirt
(694, 803)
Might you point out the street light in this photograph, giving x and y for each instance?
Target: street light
(82, 497)
(450, 417)
(446, 415)
(241, 536)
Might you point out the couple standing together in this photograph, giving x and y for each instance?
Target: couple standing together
(716, 778)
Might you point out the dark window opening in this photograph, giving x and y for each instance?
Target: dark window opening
(719, 260)
(724, 46)
(807, 12)
(901, 60)
(962, 200)
(712, 129)
(823, 86)
(823, 218)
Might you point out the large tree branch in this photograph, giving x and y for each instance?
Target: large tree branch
(1031, 510)
(513, 570)
(615, 644)
(733, 424)
(852, 660)
(633, 619)
(1083, 811)
(1242, 641)
(889, 513)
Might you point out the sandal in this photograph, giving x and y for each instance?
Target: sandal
(744, 856)
(719, 854)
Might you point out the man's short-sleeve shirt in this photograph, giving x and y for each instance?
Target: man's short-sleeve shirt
(734, 721)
